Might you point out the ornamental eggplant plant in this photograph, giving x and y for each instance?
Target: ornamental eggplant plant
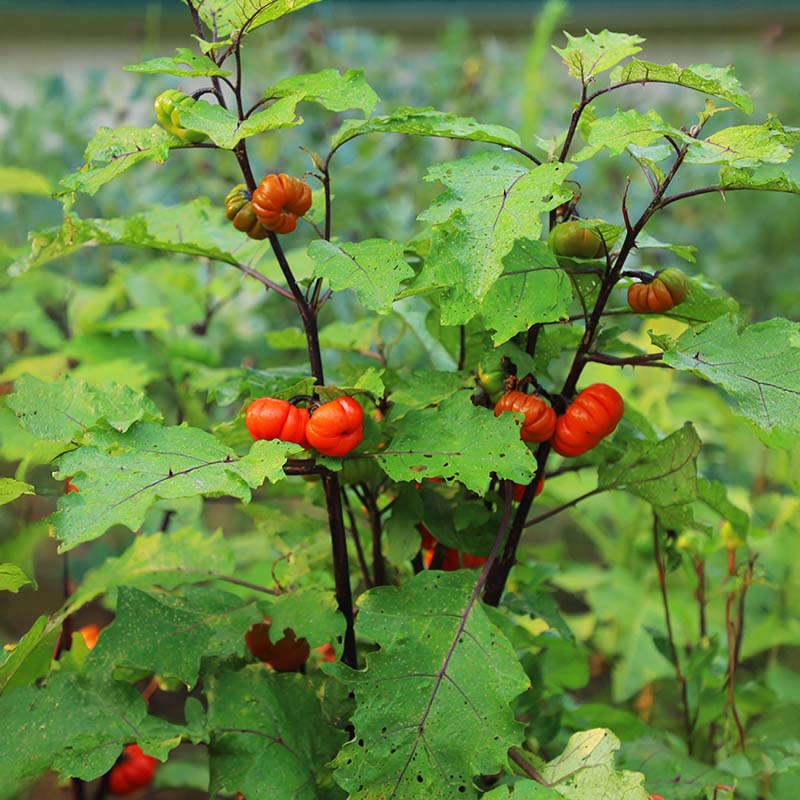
(473, 406)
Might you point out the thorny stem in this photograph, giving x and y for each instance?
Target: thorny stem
(679, 676)
(330, 481)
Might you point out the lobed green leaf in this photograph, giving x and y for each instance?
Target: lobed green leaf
(433, 702)
(185, 64)
(705, 78)
(756, 365)
(374, 269)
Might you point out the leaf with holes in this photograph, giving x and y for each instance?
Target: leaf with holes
(459, 441)
(119, 476)
(64, 410)
(426, 122)
(433, 704)
(492, 200)
(593, 53)
(374, 268)
(269, 738)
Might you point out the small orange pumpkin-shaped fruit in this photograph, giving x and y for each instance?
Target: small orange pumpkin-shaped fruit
(667, 290)
(593, 415)
(271, 418)
(279, 200)
(540, 419)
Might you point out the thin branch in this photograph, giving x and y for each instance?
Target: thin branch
(722, 190)
(263, 280)
(679, 676)
(553, 511)
(362, 561)
(462, 347)
(641, 360)
(526, 766)
(246, 584)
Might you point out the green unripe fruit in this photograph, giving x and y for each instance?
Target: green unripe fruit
(571, 240)
(168, 106)
(493, 381)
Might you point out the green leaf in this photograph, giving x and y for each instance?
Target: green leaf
(766, 177)
(685, 251)
(77, 725)
(269, 738)
(30, 658)
(224, 128)
(491, 202)
(531, 289)
(756, 365)
(196, 228)
(12, 578)
(701, 305)
(421, 388)
(21, 310)
(18, 180)
(626, 128)
(312, 613)
(185, 64)
(425, 122)
(158, 559)
(715, 495)
(121, 475)
(593, 53)
(522, 790)
(458, 441)
(198, 622)
(330, 89)
(586, 770)
(374, 268)
(662, 473)
(11, 489)
(119, 150)
(705, 78)
(65, 410)
(433, 702)
(226, 16)
(743, 146)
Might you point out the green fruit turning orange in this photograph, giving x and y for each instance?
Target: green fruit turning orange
(239, 210)
(574, 241)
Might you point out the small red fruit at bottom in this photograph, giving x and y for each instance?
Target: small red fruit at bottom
(519, 490)
(133, 771)
(285, 655)
(656, 797)
(89, 633)
(69, 486)
(326, 652)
